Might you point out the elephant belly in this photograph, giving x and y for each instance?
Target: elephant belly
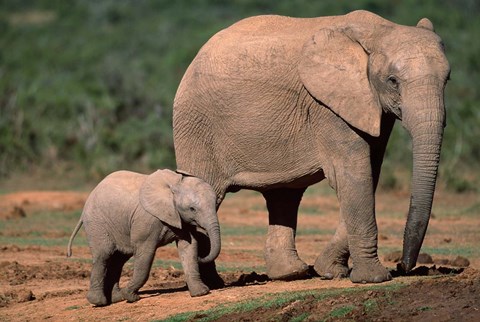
(271, 180)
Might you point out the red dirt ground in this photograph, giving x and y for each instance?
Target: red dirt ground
(40, 283)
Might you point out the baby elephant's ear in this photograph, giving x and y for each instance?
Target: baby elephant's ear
(156, 196)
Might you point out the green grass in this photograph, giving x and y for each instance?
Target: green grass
(167, 264)
(391, 214)
(262, 231)
(424, 308)
(276, 301)
(341, 311)
(310, 211)
(370, 305)
(27, 241)
(320, 189)
(52, 228)
(243, 230)
(452, 251)
(470, 210)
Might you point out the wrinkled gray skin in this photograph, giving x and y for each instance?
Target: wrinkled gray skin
(276, 104)
(133, 214)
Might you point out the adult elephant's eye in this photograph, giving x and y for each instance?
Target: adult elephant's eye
(392, 81)
(192, 209)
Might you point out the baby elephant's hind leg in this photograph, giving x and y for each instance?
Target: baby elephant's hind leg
(96, 293)
(114, 272)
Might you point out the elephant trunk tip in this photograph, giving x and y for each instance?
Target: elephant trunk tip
(210, 257)
(213, 233)
(411, 249)
(407, 264)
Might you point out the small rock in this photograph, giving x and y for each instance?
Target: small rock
(447, 240)
(25, 296)
(460, 262)
(424, 258)
(442, 261)
(382, 237)
(13, 213)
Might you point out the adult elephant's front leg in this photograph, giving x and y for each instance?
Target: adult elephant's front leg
(355, 190)
(280, 251)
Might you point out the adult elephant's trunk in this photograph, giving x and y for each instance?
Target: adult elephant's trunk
(213, 230)
(425, 125)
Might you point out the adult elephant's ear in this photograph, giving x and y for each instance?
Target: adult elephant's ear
(157, 198)
(333, 68)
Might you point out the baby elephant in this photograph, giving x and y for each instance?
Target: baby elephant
(132, 214)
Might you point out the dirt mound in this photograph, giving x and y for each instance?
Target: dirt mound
(434, 299)
(16, 273)
(20, 204)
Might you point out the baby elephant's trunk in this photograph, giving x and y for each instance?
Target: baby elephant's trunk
(213, 231)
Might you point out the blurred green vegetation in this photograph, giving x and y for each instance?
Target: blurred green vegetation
(91, 83)
(44, 228)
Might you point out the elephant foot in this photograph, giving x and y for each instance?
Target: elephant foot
(210, 277)
(281, 256)
(197, 289)
(333, 262)
(117, 294)
(329, 269)
(366, 265)
(369, 273)
(97, 298)
(130, 296)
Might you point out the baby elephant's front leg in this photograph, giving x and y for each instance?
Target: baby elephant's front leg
(141, 270)
(188, 253)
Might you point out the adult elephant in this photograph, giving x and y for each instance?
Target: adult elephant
(276, 104)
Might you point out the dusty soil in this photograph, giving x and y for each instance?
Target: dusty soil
(37, 282)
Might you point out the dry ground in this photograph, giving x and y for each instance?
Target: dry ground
(37, 281)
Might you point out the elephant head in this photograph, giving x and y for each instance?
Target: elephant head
(370, 66)
(174, 198)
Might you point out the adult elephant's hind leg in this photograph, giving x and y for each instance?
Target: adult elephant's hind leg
(280, 252)
(333, 262)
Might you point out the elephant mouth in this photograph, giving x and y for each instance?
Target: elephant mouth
(201, 230)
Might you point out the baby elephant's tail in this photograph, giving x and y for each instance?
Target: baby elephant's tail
(74, 233)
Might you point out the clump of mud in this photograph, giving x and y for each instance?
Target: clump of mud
(16, 274)
(424, 258)
(16, 296)
(425, 271)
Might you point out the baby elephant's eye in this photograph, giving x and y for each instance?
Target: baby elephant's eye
(192, 209)
(392, 81)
